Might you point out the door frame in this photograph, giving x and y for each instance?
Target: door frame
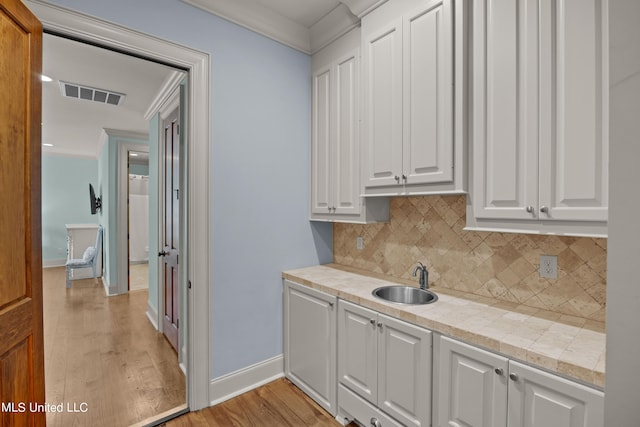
(197, 254)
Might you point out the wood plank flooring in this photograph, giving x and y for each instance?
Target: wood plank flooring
(277, 404)
(104, 352)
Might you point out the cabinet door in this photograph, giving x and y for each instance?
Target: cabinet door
(505, 109)
(540, 399)
(428, 93)
(310, 343)
(382, 132)
(573, 110)
(321, 181)
(357, 350)
(404, 371)
(346, 154)
(472, 386)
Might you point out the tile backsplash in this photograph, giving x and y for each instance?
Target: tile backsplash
(503, 266)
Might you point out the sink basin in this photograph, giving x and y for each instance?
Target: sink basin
(405, 295)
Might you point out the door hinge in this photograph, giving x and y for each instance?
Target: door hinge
(177, 259)
(189, 284)
(177, 323)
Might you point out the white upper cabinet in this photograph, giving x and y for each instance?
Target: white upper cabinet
(335, 136)
(409, 143)
(540, 87)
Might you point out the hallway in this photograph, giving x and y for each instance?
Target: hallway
(103, 357)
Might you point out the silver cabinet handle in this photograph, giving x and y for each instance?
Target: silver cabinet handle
(530, 209)
(404, 177)
(544, 209)
(397, 178)
(330, 304)
(375, 422)
(380, 325)
(373, 322)
(514, 377)
(499, 371)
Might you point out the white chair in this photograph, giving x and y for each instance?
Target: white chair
(89, 258)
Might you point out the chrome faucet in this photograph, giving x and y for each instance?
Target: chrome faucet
(424, 275)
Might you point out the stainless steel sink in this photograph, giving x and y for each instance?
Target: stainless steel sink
(405, 295)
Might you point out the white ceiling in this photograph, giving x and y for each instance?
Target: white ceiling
(74, 126)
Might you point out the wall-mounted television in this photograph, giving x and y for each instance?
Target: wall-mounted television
(96, 203)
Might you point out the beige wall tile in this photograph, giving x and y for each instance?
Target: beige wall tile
(501, 266)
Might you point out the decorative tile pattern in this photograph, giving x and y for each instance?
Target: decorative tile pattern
(502, 266)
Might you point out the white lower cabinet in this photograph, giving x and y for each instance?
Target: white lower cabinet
(310, 343)
(384, 368)
(482, 389)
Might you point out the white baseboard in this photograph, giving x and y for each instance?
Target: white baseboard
(109, 289)
(54, 263)
(152, 314)
(236, 383)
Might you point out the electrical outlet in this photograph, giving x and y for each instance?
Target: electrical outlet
(548, 266)
(360, 243)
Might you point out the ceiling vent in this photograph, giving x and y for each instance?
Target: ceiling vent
(72, 90)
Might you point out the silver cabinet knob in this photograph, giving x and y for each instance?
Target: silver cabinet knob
(499, 371)
(404, 177)
(544, 209)
(380, 325)
(397, 178)
(530, 209)
(514, 377)
(375, 422)
(373, 322)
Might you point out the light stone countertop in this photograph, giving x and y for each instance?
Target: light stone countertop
(570, 346)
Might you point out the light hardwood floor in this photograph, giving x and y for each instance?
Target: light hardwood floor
(104, 352)
(277, 404)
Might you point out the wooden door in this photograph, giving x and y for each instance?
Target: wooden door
(404, 371)
(21, 332)
(171, 233)
(428, 94)
(310, 343)
(358, 350)
(472, 386)
(540, 399)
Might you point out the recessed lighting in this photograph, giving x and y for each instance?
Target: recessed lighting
(47, 145)
(45, 78)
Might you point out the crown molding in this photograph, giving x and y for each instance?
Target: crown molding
(332, 26)
(262, 20)
(362, 7)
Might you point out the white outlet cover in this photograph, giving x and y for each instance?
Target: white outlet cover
(548, 266)
(360, 243)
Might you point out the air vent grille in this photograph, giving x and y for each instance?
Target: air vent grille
(103, 96)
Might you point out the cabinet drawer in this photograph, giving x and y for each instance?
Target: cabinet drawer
(357, 409)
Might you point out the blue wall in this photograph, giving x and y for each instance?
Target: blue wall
(260, 122)
(65, 200)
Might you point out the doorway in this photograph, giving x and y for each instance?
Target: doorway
(138, 220)
(197, 247)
